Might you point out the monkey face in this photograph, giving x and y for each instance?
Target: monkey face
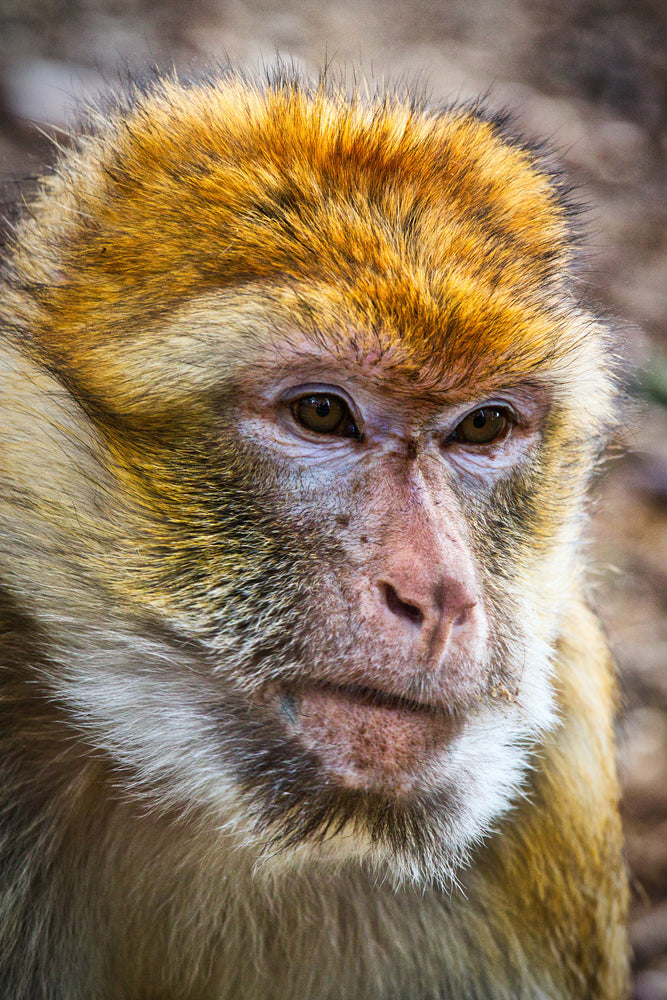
(371, 478)
(407, 651)
(345, 560)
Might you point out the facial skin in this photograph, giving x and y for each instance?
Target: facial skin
(404, 581)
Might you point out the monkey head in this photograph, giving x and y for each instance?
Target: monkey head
(324, 404)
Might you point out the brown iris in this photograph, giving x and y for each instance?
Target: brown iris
(325, 413)
(482, 426)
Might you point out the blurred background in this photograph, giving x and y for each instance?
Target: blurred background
(589, 75)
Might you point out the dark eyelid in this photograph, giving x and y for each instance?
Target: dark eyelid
(297, 392)
(504, 409)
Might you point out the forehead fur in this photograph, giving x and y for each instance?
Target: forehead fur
(430, 227)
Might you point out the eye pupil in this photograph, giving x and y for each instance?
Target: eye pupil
(322, 408)
(479, 419)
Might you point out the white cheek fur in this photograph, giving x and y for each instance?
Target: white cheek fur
(157, 729)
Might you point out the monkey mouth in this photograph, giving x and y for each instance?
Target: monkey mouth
(365, 737)
(372, 697)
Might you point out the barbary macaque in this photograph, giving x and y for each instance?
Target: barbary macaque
(301, 696)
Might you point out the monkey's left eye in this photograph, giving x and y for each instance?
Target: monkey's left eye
(325, 413)
(483, 426)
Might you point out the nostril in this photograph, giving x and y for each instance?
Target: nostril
(399, 607)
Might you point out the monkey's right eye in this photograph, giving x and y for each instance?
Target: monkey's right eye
(325, 413)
